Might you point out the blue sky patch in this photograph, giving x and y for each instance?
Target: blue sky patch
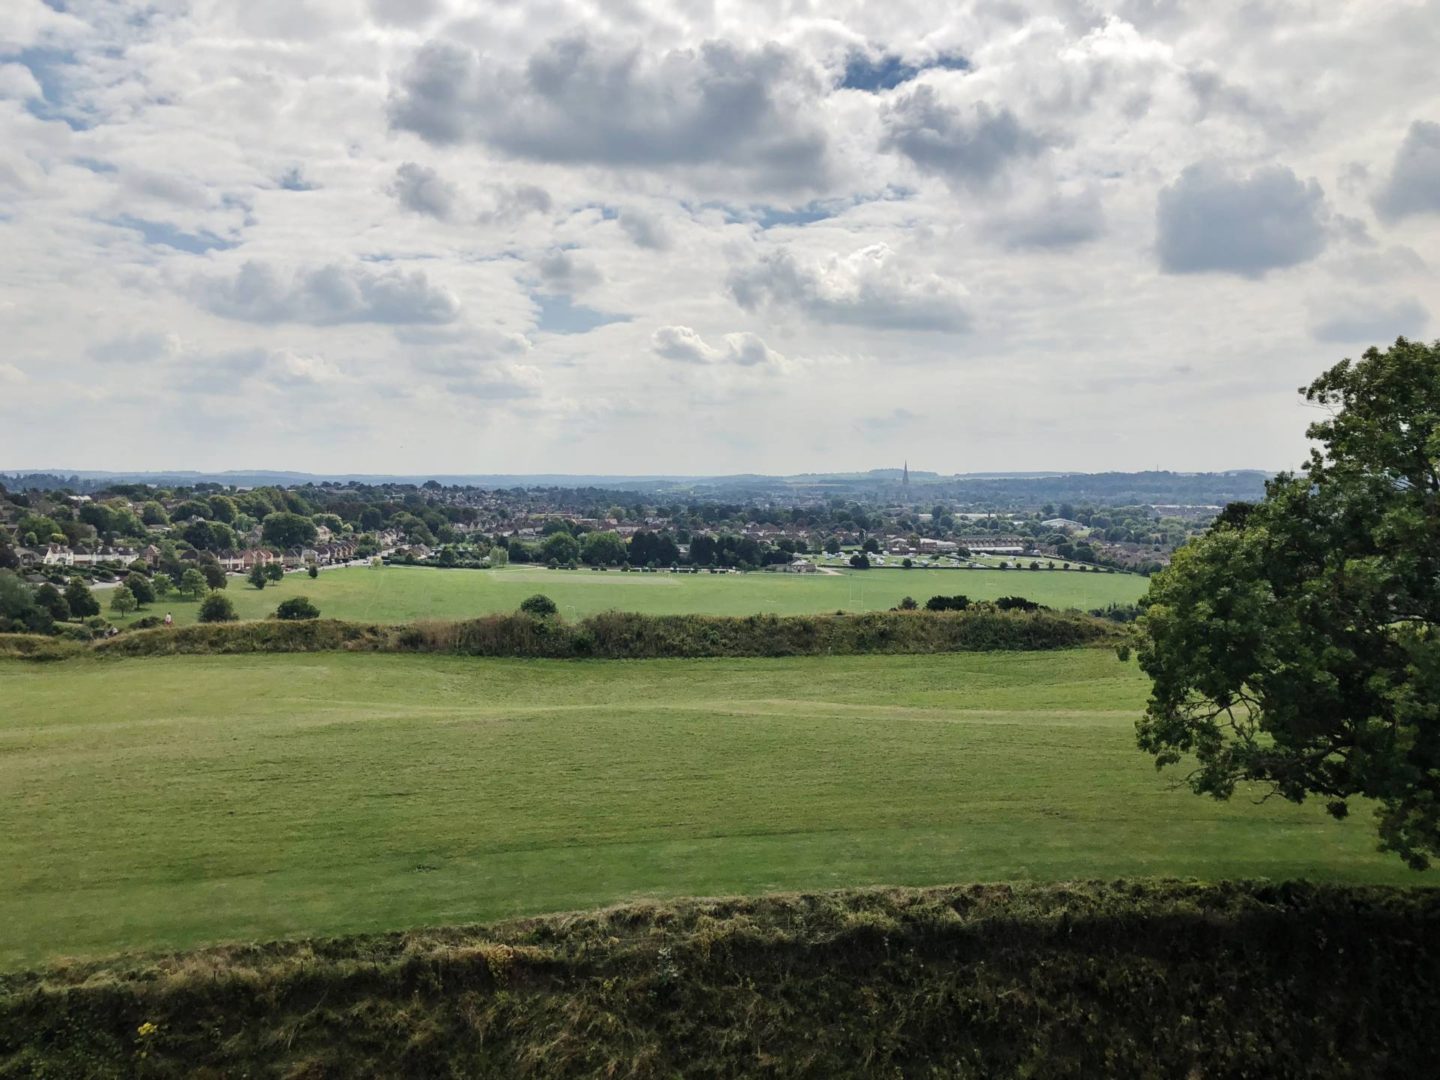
(293, 179)
(49, 66)
(888, 71)
(561, 315)
(167, 235)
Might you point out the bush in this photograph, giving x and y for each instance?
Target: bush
(314, 571)
(539, 605)
(1016, 603)
(216, 608)
(947, 603)
(297, 607)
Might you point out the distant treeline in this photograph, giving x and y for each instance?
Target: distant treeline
(610, 636)
(1161, 979)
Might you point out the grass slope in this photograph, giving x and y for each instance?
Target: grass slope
(1077, 980)
(169, 802)
(402, 593)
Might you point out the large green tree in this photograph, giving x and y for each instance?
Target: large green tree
(80, 599)
(560, 547)
(192, 583)
(1297, 644)
(287, 530)
(603, 549)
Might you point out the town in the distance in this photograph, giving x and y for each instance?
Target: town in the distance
(189, 534)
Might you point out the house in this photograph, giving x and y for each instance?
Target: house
(997, 545)
(101, 555)
(253, 557)
(57, 555)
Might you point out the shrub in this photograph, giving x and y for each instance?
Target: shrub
(217, 607)
(1016, 603)
(539, 605)
(947, 603)
(297, 607)
(314, 571)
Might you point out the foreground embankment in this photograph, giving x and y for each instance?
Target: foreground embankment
(1097, 979)
(608, 636)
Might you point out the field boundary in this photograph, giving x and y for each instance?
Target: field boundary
(607, 636)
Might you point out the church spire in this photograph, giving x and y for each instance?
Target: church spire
(905, 475)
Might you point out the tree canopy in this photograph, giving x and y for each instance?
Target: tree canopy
(1297, 644)
(603, 549)
(286, 530)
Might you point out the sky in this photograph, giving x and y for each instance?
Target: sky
(691, 237)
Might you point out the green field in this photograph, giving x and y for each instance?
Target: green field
(163, 803)
(402, 594)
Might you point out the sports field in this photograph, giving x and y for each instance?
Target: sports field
(162, 803)
(402, 594)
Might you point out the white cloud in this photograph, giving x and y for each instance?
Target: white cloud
(685, 346)
(327, 295)
(150, 346)
(421, 189)
(417, 213)
(1414, 183)
(969, 146)
(869, 287)
(1210, 219)
(18, 83)
(579, 100)
(1367, 320)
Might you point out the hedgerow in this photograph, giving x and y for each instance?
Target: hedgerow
(620, 635)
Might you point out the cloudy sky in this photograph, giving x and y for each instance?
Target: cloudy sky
(633, 236)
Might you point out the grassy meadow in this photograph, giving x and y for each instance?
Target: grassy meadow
(403, 594)
(167, 803)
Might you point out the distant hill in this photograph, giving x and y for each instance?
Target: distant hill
(997, 490)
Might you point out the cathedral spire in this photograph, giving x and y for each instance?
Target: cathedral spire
(905, 475)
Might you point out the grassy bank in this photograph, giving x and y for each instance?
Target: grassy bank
(177, 801)
(398, 594)
(610, 636)
(1078, 980)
